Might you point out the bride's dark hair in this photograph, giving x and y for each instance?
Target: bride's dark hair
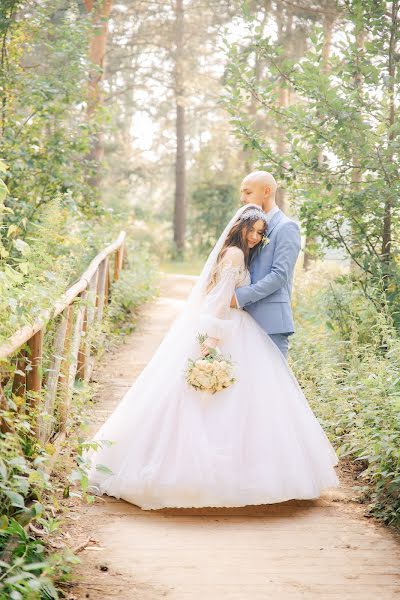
(237, 237)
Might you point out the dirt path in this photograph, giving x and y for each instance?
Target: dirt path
(321, 549)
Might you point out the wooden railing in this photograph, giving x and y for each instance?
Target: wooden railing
(80, 308)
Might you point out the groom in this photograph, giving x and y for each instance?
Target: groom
(268, 297)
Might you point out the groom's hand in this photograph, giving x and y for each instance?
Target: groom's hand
(233, 302)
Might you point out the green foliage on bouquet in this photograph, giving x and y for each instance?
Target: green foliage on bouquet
(212, 373)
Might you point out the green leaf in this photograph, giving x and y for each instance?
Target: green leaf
(15, 498)
(3, 522)
(104, 469)
(14, 528)
(3, 469)
(3, 190)
(11, 230)
(21, 246)
(35, 566)
(18, 578)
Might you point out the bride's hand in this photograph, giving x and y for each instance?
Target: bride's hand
(209, 343)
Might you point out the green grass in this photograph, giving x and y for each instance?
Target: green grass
(187, 267)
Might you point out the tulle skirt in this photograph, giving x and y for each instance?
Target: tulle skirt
(256, 442)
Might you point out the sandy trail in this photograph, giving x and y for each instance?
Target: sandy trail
(323, 549)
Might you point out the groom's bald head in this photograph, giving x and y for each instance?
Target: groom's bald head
(259, 187)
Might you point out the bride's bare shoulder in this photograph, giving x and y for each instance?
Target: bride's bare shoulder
(234, 255)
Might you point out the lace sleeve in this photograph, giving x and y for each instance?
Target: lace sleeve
(215, 317)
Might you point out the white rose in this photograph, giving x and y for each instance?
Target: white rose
(203, 380)
(213, 380)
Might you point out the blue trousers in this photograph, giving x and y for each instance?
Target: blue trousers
(281, 340)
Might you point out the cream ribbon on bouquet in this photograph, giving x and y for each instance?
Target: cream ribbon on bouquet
(212, 373)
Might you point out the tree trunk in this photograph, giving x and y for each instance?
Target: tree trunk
(180, 183)
(328, 21)
(283, 96)
(283, 101)
(392, 58)
(100, 13)
(257, 72)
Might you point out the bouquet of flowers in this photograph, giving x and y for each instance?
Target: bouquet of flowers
(211, 373)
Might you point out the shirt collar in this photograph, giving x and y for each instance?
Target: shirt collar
(271, 213)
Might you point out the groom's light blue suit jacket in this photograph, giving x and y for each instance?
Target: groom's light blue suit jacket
(268, 297)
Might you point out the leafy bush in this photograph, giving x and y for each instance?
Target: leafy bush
(39, 262)
(45, 133)
(28, 570)
(26, 567)
(135, 286)
(346, 356)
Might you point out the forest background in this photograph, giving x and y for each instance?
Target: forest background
(145, 116)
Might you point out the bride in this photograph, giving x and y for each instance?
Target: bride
(255, 442)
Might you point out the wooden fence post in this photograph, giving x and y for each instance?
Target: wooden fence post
(107, 286)
(34, 376)
(19, 381)
(124, 254)
(75, 345)
(45, 423)
(117, 263)
(70, 355)
(81, 352)
(5, 425)
(84, 360)
(101, 287)
(64, 370)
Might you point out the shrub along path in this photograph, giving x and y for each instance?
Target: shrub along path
(321, 548)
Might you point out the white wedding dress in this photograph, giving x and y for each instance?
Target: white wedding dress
(256, 442)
